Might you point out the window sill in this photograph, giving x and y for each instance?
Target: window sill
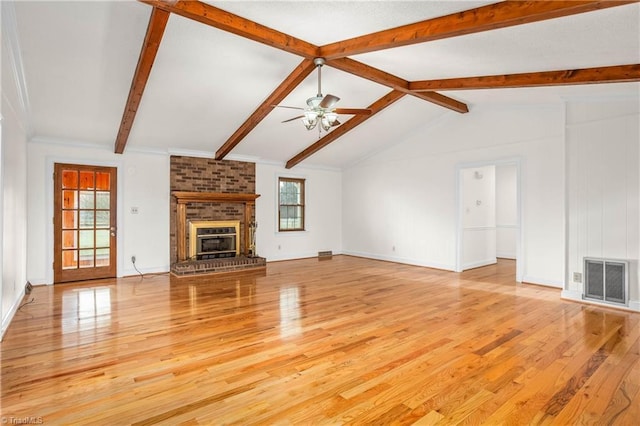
(304, 231)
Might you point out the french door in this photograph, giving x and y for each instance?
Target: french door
(84, 222)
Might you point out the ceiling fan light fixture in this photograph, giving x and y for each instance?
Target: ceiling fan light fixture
(320, 108)
(331, 117)
(310, 120)
(311, 115)
(314, 102)
(325, 123)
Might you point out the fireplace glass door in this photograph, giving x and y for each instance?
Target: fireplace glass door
(215, 246)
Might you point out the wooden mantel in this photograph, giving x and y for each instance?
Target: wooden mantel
(185, 197)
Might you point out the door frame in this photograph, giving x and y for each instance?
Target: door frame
(49, 188)
(517, 162)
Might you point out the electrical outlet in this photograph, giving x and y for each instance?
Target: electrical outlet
(133, 259)
(577, 277)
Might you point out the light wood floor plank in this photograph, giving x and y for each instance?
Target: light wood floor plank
(340, 341)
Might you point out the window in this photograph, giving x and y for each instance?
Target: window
(291, 204)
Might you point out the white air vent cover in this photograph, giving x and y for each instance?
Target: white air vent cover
(606, 280)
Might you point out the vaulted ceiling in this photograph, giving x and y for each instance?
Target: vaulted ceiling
(194, 77)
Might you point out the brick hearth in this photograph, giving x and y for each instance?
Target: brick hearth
(213, 266)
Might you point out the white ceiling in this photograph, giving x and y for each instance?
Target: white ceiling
(79, 58)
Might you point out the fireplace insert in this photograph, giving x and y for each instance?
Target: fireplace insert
(213, 239)
(216, 242)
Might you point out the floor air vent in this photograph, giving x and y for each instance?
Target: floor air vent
(325, 254)
(606, 280)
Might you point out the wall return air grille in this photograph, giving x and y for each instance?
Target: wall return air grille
(606, 280)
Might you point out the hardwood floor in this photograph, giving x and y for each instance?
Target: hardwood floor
(340, 341)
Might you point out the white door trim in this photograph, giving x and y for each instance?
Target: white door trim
(517, 162)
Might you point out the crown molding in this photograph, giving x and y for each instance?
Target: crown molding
(46, 140)
(12, 43)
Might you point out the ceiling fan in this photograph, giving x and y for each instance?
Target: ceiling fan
(320, 109)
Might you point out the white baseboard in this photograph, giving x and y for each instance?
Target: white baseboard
(542, 281)
(122, 273)
(571, 295)
(39, 281)
(634, 305)
(155, 270)
(14, 308)
(479, 264)
(404, 260)
(291, 256)
(506, 255)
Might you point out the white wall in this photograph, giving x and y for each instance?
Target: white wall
(603, 144)
(323, 207)
(506, 210)
(13, 175)
(143, 182)
(478, 216)
(405, 197)
(14, 207)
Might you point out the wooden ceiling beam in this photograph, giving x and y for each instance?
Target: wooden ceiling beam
(291, 82)
(442, 100)
(373, 74)
(370, 73)
(494, 16)
(611, 74)
(485, 18)
(350, 124)
(226, 21)
(150, 46)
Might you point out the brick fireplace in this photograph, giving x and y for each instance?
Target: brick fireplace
(205, 189)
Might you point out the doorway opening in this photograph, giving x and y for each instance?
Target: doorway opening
(489, 215)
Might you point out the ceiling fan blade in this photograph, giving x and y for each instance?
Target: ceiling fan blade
(360, 111)
(294, 118)
(328, 101)
(284, 106)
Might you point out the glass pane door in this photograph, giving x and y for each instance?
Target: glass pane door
(85, 222)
